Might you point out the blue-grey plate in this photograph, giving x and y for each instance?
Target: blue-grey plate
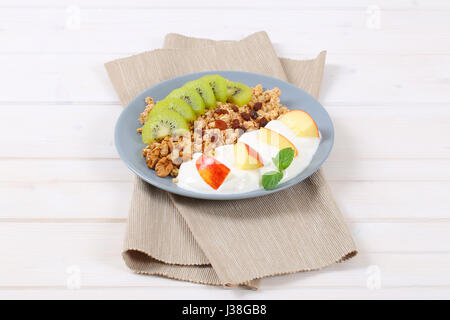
(129, 143)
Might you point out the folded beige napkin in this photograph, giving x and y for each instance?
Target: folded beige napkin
(228, 242)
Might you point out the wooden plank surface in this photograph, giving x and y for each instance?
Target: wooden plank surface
(64, 193)
(350, 79)
(338, 29)
(358, 200)
(262, 4)
(93, 249)
(213, 293)
(49, 170)
(86, 131)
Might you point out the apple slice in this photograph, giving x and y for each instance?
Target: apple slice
(301, 123)
(275, 139)
(246, 158)
(212, 171)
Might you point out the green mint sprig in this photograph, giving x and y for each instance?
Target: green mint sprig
(282, 161)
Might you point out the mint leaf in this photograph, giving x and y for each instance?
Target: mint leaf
(284, 158)
(271, 179)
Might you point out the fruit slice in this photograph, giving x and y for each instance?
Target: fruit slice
(275, 139)
(191, 96)
(212, 171)
(204, 90)
(218, 84)
(238, 93)
(164, 123)
(246, 158)
(301, 123)
(175, 104)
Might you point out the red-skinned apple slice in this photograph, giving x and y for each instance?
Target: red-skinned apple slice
(213, 172)
(246, 158)
(301, 123)
(275, 139)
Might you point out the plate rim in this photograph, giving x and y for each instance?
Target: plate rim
(210, 196)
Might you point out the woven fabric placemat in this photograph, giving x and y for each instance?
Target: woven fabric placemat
(228, 242)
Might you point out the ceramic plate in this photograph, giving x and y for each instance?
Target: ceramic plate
(129, 144)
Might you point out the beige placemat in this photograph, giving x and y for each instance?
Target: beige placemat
(228, 242)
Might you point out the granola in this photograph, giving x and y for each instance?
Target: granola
(218, 126)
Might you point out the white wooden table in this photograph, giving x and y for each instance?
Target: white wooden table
(64, 193)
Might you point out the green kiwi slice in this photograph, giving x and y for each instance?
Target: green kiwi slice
(238, 93)
(162, 124)
(204, 89)
(218, 85)
(175, 104)
(191, 96)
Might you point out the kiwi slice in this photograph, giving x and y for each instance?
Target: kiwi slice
(204, 89)
(218, 85)
(191, 96)
(238, 93)
(175, 104)
(162, 124)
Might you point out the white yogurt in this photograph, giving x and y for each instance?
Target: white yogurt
(239, 181)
